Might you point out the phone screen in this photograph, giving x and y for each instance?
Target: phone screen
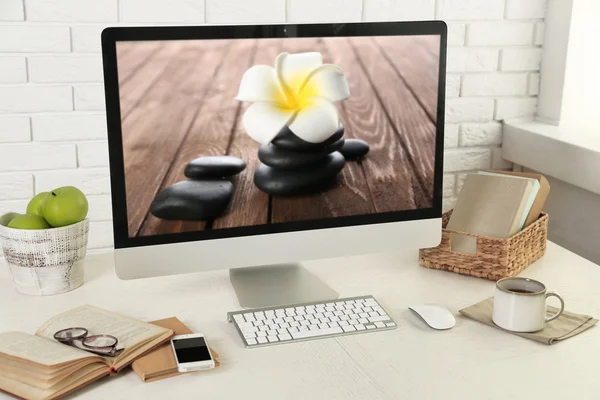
(191, 350)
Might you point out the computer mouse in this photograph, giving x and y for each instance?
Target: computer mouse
(435, 316)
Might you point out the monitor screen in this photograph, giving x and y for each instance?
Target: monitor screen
(233, 133)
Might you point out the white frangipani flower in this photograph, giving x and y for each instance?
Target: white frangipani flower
(298, 92)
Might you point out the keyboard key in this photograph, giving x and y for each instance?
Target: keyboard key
(263, 328)
(354, 316)
(261, 334)
(262, 340)
(248, 330)
(292, 330)
(302, 329)
(288, 319)
(289, 309)
(268, 322)
(353, 322)
(363, 315)
(250, 318)
(318, 315)
(359, 327)
(304, 323)
(309, 316)
(374, 314)
(344, 318)
(239, 318)
(251, 341)
(329, 304)
(338, 313)
(272, 332)
(339, 308)
(258, 323)
(335, 318)
(284, 325)
(328, 314)
(363, 320)
(329, 308)
(379, 318)
(348, 312)
(390, 324)
(294, 323)
(333, 324)
(343, 323)
(359, 300)
(281, 331)
(274, 326)
(298, 318)
(280, 320)
(325, 320)
(313, 327)
(348, 328)
(285, 336)
(249, 335)
(379, 324)
(319, 332)
(301, 312)
(324, 325)
(273, 338)
(367, 309)
(370, 326)
(261, 317)
(245, 325)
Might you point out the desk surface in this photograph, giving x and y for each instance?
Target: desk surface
(470, 361)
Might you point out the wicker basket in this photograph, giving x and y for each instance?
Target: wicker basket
(46, 261)
(495, 258)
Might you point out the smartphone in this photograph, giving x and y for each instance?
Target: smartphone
(192, 352)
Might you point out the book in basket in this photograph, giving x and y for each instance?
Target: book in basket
(38, 367)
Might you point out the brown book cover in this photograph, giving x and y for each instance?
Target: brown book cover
(540, 199)
(161, 363)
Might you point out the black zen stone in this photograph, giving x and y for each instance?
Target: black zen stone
(281, 182)
(288, 141)
(354, 149)
(214, 167)
(277, 157)
(192, 200)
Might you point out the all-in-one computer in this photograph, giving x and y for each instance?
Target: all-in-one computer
(252, 147)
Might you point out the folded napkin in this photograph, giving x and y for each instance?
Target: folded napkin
(563, 327)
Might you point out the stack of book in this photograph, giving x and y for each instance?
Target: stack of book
(496, 204)
(39, 367)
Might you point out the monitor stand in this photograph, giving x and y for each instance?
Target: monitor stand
(278, 285)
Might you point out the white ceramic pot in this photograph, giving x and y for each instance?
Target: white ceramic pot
(46, 261)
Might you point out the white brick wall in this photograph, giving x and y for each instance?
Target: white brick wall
(52, 123)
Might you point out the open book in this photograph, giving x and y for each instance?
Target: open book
(39, 367)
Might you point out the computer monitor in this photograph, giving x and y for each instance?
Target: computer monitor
(253, 146)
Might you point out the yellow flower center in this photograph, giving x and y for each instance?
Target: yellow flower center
(298, 92)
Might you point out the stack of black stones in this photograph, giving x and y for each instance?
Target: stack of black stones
(292, 166)
(204, 196)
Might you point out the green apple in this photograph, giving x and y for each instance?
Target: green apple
(35, 205)
(64, 206)
(6, 218)
(28, 221)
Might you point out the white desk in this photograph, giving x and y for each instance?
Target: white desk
(470, 361)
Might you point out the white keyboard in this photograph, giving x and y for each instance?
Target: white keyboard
(268, 326)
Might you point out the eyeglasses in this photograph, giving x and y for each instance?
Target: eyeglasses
(104, 345)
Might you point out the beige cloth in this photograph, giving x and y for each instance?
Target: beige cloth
(563, 327)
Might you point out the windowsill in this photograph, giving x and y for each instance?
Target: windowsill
(551, 150)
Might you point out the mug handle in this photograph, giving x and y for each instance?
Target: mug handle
(562, 305)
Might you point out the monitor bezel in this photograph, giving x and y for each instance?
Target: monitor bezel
(112, 35)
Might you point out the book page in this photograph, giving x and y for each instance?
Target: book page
(38, 350)
(128, 331)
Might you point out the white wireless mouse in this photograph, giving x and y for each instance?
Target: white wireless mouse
(435, 316)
